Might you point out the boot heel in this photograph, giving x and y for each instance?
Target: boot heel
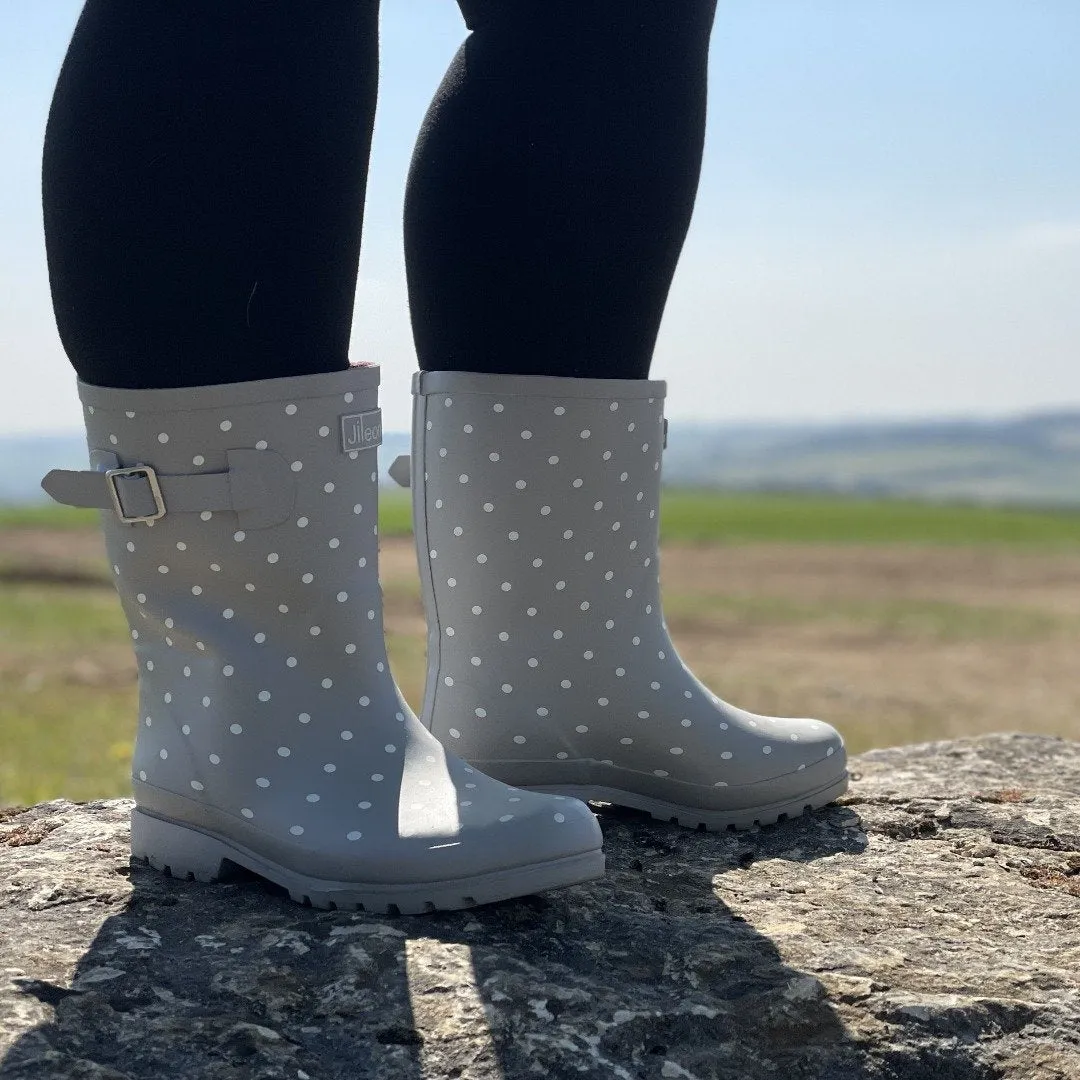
(181, 852)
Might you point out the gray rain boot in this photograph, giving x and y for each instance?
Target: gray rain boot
(536, 506)
(241, 525)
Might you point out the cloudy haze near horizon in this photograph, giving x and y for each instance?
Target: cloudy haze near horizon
(888, 224)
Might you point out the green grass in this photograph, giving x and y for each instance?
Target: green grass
(705, 517)
(67, 693)
(708, 517)
(65, 741)
(731, 518)
(395, 513)
(37, 617)
(46, 516)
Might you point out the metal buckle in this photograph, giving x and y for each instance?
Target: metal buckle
(148, 474)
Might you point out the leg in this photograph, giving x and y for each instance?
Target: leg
(553, 185)
(204, 224)
(204, 176)
(550, 198)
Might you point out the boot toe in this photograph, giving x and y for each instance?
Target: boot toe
(512, 826)
(795, 745)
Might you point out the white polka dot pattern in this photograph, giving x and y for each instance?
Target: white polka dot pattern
(264, 681)
(577, 665)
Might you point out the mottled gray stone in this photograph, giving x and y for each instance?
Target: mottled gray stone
(927, 926)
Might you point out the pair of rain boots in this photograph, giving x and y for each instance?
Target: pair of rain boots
(241, 525)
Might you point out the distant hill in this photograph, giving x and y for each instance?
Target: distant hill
(1027, 460)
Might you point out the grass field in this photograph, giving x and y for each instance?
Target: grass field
(734, 518)
(896, 621)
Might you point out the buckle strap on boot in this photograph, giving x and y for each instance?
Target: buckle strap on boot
(257, 485)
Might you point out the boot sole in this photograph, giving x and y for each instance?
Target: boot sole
(708, 820)
(192, 854)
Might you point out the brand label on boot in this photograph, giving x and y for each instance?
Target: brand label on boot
(362, 431)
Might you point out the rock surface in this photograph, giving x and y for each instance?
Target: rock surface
(926, 926)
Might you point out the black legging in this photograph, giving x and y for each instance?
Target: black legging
(206, 163)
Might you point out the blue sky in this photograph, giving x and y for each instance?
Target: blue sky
(889, 219)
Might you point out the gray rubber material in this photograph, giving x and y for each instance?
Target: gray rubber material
(272, 734)
(706, 820)
(536, 505)
(192, 854)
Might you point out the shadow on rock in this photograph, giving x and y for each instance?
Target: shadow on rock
(644, 974)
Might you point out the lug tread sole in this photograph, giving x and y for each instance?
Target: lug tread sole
(188, 853)
(703, 820)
